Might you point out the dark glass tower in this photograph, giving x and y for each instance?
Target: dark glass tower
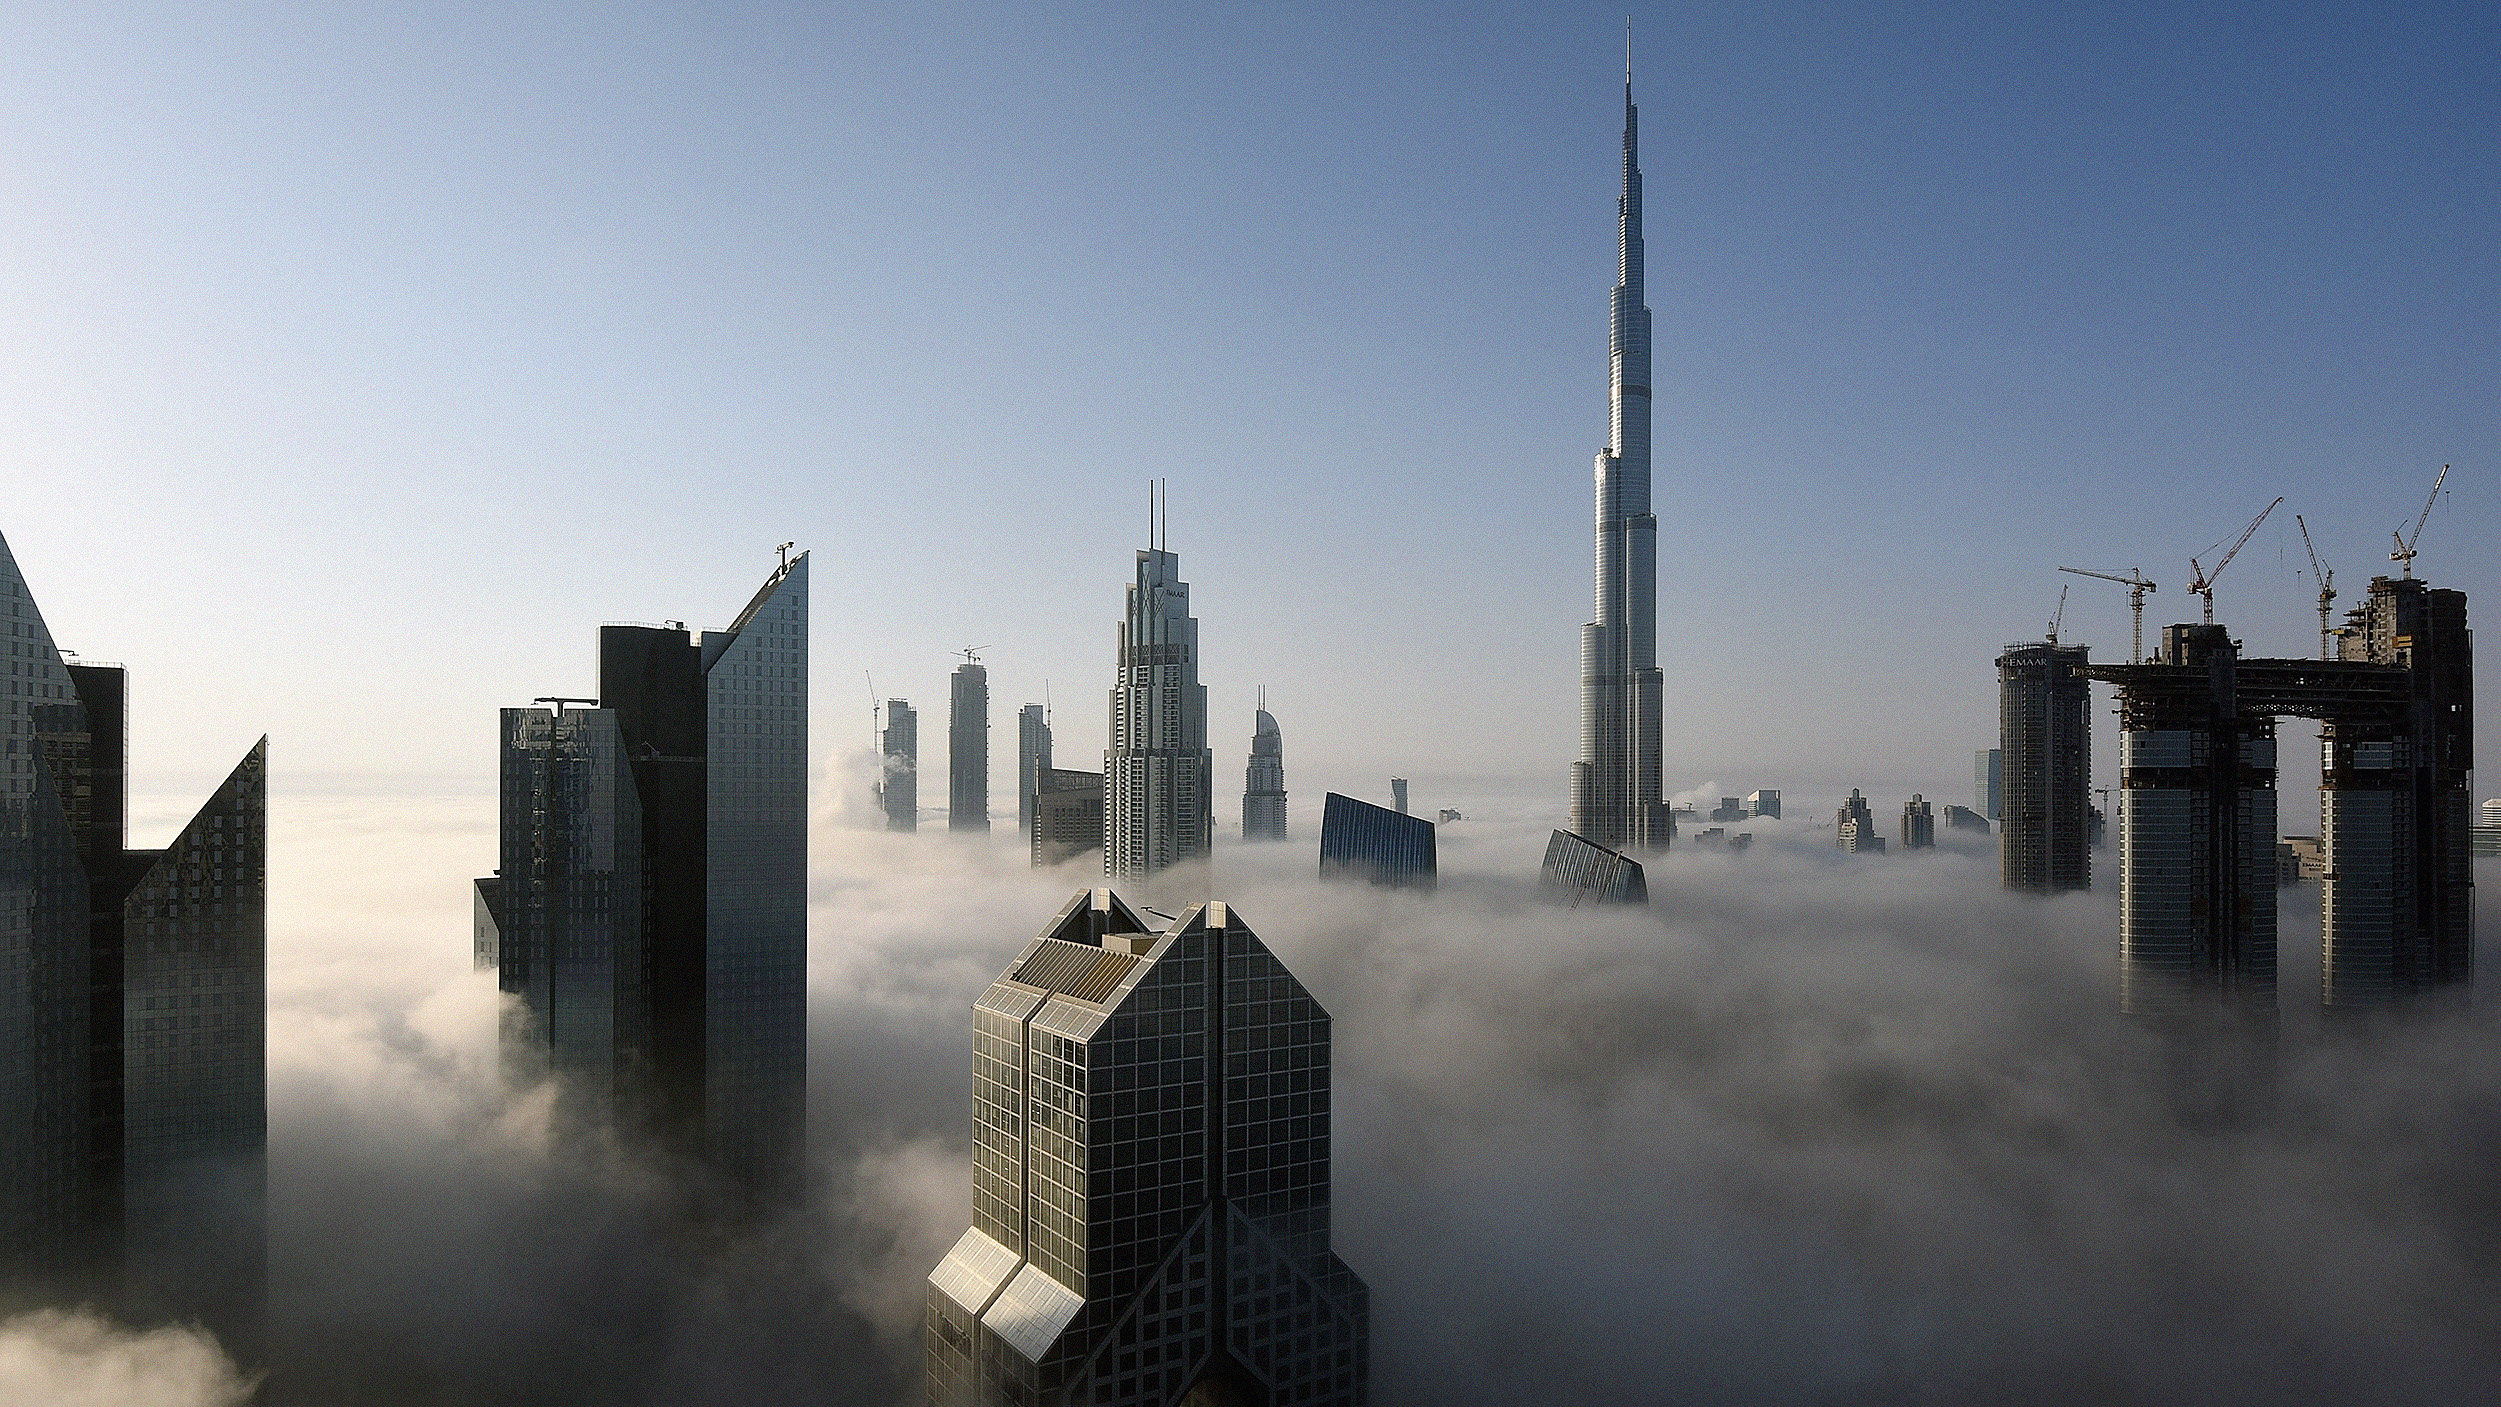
(133, 998)
(968, 748)
(1150, 1179)
(898, 790)
(2045, 740)
(1359, 840)
(651, 911)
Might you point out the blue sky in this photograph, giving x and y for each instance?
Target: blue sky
(365, 358)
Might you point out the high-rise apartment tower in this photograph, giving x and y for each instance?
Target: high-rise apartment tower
(651, 908)
(1617, 800)
(133, 1000)
(2045, 738)
(1151, 1113)
(1263, 781)
(1033, 760)
(968, 748)
(1158, 776)
(899, 791)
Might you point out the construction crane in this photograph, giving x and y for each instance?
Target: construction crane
(2059, 617)
(2326, 579)
(2203, 585)
(2137, 586)
(2405, 545)
(971, 653)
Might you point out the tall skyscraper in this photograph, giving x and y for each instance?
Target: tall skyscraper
(2045, 737)
(1617, 800)
(651, 908)
(133, 1000)
(1359, 840)
(1158, 776)
(1033, 760)
(1263, 781)
(1988, 782)
(1919, 824)
(1763, 803)
(1854, 827)
(1150, 1179)
(1398, 795)
(968, 748)
(899, 792)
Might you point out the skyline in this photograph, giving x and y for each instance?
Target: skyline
(284, 300)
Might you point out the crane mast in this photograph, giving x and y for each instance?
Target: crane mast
(2326, 579)
(2203, 584)
(2405, 545)
(2137, 586)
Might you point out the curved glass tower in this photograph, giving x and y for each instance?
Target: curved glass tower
(1616, 794)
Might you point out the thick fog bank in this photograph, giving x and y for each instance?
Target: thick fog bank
(1807, 1128)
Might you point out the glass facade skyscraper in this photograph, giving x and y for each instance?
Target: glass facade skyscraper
(133, 1000)
(1151, 1121)
(2045, 766)
(1359, 840)
(898, 787)
(651, 908)
(968, 748)
(1577, 872)
(1033, 761)
(1263, 781)
(1158, 775)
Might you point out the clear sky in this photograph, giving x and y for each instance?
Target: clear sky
(364, 357)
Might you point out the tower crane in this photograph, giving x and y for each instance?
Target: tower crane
(2137, 586)
(2326, 578)
(2405, 545)
(972, 654)
(2059, 617)
(2203, 585)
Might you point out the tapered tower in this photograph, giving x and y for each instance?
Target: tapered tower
(1617, 799)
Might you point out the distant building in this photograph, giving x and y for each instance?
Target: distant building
(651, 905)
(1988, 783)
(133, 1009)
(1158, 776)
(1729, 809)
(1398, 794)
(1963, 818)
(1854, 830)
(1717, 837)
(2045, 721)
(1578, 872)
(968, 748)
(1150, 1179)
(899, 792)
(1263, 781)
(1033, 758)
(1068, 816)
(2486, 839)
(1763, 803)
(1919, 824)
(2309, 860)
(1449, 815)
(1359, 840)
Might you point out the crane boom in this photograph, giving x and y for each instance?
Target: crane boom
(2203, 585)
(2405, 545)
(2137, 586)
(2326, 578)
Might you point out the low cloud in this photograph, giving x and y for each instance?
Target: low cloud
(1811, 1127)
(71, 1358)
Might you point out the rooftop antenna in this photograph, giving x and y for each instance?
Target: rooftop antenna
(1166, 529)
(2405, 545)
(2203, 582)
(876, 739)
(784, 550)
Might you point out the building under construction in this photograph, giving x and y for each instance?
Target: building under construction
(2197, 819)
(2045, 752)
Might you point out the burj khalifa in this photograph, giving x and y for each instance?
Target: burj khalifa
(1616, 796)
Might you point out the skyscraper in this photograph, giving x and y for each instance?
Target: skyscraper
(1398, 795)
(1919, 824)
(1158, 775)
(899, 792)
(1033, 759)
(1578, 873)
(968, 747)
(1617, 800)
(133, 1000)
(651, 908)
(1263, 781)
(1988, 782)
(1854, 828)
(1067, 816)
(1150, 1179)
(2045, 740)
(1359, 840)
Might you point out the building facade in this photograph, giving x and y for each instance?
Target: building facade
(968, 748)
(1033, 759)
(1151, 1210)
(1158, 775)
(1263, 781)
(1576, 872)
(1068, 816)
(651, 908)
(133, 1008)
(2045, 743)
(898, 791)
(1919, 824)
(1763, 803)
(1359, 840)
(1988, 780)
(1854, 827)
(1617, 799)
